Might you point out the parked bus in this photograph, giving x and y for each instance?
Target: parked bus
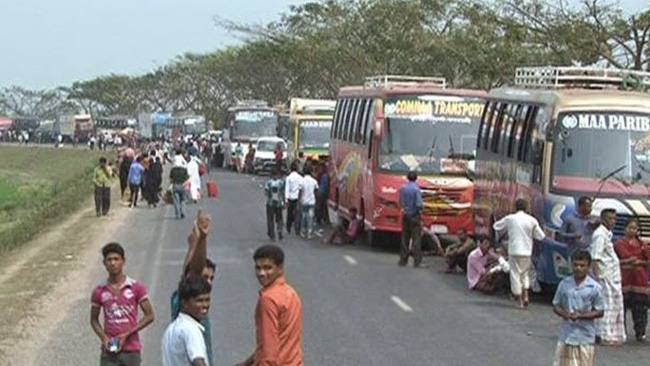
(309, 125)
(392, 125)
(250, 120)
(553, 139)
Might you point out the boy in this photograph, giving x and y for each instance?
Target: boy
(579, 301)
(197, 264)
(278, 316)
(119, 298)
(274, 190)
(183, 343)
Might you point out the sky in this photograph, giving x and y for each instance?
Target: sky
(50, 43)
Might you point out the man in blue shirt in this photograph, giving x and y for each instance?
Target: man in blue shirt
(578, 227)
(578, 301)
(136, 172)
(410, 198)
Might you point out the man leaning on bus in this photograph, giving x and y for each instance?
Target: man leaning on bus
(410, 198)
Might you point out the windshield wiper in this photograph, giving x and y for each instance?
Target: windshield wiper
(452, 152)
(607, 177)
(432, 149)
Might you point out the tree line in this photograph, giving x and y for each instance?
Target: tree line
(315, 48)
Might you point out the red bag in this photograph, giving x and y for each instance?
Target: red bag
(213, 189)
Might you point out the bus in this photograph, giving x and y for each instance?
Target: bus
(394, 124)
(557, 135)
(309, 125)
(250, 120)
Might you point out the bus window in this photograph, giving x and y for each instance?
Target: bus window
(359, 121)
(529, 124)
(515, 117)
(364, 121)
(497, 125)
(488, 124)
(508, 122)
(353, 120)
(349, 111)
(517, 128)
(487, 113)
(337, 117)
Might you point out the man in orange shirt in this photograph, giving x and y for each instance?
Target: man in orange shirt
(278, 316)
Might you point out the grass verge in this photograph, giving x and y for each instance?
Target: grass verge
(39, 187)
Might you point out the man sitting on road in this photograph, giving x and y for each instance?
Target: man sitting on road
(486, 269)
(346, 233)
(457, 253)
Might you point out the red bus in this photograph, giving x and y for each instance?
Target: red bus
(394, 124)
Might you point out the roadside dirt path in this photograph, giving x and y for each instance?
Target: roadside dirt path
(39, 282)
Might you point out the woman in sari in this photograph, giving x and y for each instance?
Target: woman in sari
(633, 255)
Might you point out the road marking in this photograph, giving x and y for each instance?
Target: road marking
(350, 260)
(399, 302)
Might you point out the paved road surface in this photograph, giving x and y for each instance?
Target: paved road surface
(360, 307)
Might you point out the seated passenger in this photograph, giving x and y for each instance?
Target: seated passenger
(457, 253)
(486, 270)
(346, 234)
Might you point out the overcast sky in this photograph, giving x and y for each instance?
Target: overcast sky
(48, 43)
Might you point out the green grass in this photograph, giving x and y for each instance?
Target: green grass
(39, 187)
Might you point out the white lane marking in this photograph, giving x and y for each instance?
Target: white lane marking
(350, 260)
(399, 302)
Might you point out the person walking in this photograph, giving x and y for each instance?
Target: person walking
(274, 190)
(125, 166)
(292, 194)
(195, 178)
(278, 315)
(322, 213)
(239, 156)
(102, 181)
(119, 299)
(136, 174)
(578, 301)
(634, 255)
(308, 187)
(178, 177)
(183, 343)
(521, 229)
(410, 199)
(607, 271)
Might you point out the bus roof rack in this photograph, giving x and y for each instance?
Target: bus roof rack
(252, 103)
(552, 77)
(391, 81)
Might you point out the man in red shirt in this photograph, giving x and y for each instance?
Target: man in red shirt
(278, 315)
(119, 298)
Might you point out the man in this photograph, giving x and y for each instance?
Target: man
(136, 173)
(291, 194)
(322, 213)
(456, 254)
(178, 177)
(278, 316)
(183, 342)
(102, 181)
(308, 187)
(521, 229)
(578, 227)
(607, 271)
(274, 191)
(578, 301)
(348, 234)
(198, 265)
(480, 276)
(119, 298)
(410, 199)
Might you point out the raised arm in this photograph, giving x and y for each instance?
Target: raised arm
(197, 252)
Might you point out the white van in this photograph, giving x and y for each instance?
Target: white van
(264, 160)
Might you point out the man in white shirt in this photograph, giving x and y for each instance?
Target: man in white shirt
(521, 228)
(291, 195)
(308, 186)
(183, 343)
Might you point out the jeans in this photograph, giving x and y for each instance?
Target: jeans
(178, 194)
(102, 200)
(307, 225)
(293, 218)
(411, 237)
(134, 188)
(274, 221)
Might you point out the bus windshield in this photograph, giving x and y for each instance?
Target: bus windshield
(593, 145)
(315, 134)
(432, 134)
(255, 123)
